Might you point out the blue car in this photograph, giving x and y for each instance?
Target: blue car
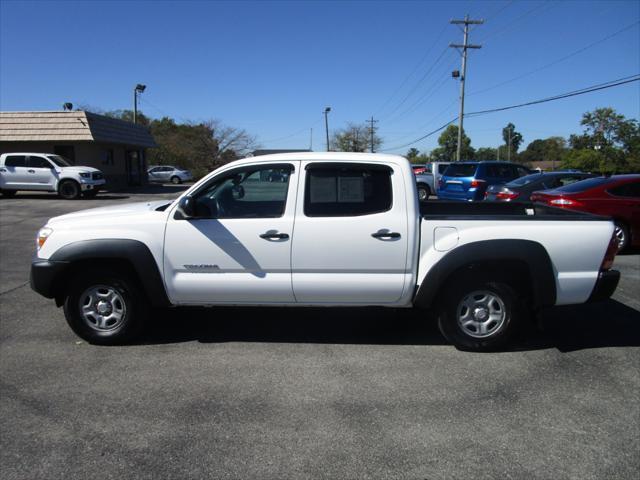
(468, 181)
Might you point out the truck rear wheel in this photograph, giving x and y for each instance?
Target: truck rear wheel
(106, 308)
(480, 315)
(69, 190)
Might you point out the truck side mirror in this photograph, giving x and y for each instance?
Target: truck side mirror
(186, 207)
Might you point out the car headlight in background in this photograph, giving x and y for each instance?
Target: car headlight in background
(43, 234)
(85, 174)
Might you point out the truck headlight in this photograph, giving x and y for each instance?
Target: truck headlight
(43, 234)
(85, 174)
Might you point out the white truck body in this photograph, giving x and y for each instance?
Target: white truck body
(335, 260)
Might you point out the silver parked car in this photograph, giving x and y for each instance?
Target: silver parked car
(166, 173)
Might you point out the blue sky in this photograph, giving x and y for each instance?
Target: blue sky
(272, 67)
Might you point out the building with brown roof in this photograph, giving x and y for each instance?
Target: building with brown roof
(116, 147)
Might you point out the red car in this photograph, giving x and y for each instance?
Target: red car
(617, 197)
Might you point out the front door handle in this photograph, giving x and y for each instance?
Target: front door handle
(3, 169)
(385, 235)
(271, 235)
(31, 171)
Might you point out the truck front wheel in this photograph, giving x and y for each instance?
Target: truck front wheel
(69, 190)
(105, 309)
(480, 316)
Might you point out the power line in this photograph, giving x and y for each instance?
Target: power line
(582, 91)
(424, 57)
(562, 59)
(297, 132)
(417, 85)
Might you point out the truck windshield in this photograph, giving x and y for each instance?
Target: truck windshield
(59, 161)
(461, 170)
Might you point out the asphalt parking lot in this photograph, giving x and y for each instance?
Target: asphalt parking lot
(308, 393)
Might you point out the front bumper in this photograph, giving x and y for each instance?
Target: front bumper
(605, 285)
(92, 185)
(43, 276)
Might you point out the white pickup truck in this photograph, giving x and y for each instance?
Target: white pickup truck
(341, 229)
(49, 173)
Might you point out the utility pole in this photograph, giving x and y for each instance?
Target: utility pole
(311, 141)
(372, 130)
(465, 46)
(326, 124)
(509, 150)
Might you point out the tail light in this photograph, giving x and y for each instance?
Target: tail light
(563, 202)
(610, 254)
(507, 195)
(477, 183)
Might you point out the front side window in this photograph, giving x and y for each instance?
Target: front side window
(248, 192)
(39, 162)
(15, 161)
(344, 190)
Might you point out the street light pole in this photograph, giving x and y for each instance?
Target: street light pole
(137, 90)
(326, 124)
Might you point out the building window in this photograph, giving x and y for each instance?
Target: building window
(106, 157)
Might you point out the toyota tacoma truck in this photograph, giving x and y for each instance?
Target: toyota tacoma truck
(341, 230)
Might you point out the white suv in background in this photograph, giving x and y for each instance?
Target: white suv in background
(167, 173)
(49, 173)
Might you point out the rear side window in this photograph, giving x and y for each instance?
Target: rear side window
(38, 162)
(631, 190)
(15, 161)
(525, 180)
(500, 171)
(442, 168)
(346, 190)
(461, 170)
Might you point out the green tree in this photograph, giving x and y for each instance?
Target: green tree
(548, 149)
(511, 138)
(412, 154)
(354, 138)
(614, 138)
(448, 142)
(486, 153)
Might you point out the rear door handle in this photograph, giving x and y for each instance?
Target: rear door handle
(274, 236)
(385, 235)
(31, 171)
(3, 169)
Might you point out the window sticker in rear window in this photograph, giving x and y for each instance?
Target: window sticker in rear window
(351, 189)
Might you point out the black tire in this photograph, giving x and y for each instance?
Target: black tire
(622, 235)
(130, 305)
(176, 180)
(90, 194)
(69, 189)
(498, 332)
(8, 193)
(423, 192)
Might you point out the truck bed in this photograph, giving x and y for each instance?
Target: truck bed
(439, 210)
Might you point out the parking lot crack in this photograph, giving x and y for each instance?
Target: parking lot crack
(15, 288)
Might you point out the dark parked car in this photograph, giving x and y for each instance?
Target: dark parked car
(617, 197)
(520, 189)
(468, 181)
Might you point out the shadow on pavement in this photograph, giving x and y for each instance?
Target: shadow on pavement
(608, 324)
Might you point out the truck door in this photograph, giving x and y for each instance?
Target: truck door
(350, 243)
(14, 172)
(238, 249)
(40, 173)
